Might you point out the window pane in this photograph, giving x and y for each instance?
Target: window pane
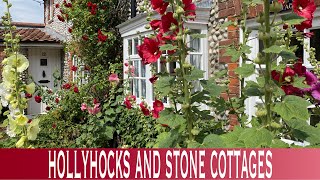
(195, 60)
(136, 68)
(143, 70)
(143, 88)
(299, 51)
(130, 47)
(131, 85)
(172, 67)
(314, 42)
(136, 43)
(136, 88)
(195, 43)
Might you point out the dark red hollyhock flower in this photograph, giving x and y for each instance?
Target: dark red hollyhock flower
(128, 100)
(158, 105)
(156, 24)
(304, 8)
(89, 4)
(291, 90)
(57, 100)
(29, 121)
(66, 86)
(60, 18)
(189, 8)
(57, 5)
(149, 50)
(101, 36)
(70, 30)
(38, 99)
(74, 68)
(54, 125)
(144, 109)
(68, 5)
(167, 21)
(304, 25)
(48, 108)
(95, 101)
(299, 68)
(159, 5)
(285, 26)
(287, 75)
(76, 89)
(94, 9)
(85, 37)
(28, 95)
(153, 79)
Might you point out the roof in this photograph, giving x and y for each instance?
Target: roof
(32, 35)
(32, 32)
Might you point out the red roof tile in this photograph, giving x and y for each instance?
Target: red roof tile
(32, 35)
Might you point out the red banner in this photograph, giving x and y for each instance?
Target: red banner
(160, 163)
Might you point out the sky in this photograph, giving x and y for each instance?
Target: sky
(24, 10)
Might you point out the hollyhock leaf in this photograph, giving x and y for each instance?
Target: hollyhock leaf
(245, 70)
(253, 91)
(194, 144)
(171, 119)
(202, 114)
(168, 47)
(110, 111)
(109, 131)
(273, 49)
(256, 137)
(196, 74)
(199, 97)
(232, 139)
(293, 107)
(303, 131)
(299, 82)
(163, 85)
(227, 24)
(198, 36)
(211, 87)
(277, 143)
(292, 19)
(213, 141)
(288, 55)
(235, 54)
(167, 139)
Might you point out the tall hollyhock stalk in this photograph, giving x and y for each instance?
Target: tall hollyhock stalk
(13, 88)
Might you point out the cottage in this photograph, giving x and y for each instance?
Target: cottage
(209, 55)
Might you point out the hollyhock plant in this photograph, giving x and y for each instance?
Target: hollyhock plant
(189, 8)
(114, 78)
(167, 21)
(159, 5)
(149, 50)
(305, 9)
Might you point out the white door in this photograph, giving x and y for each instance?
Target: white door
(43, 63)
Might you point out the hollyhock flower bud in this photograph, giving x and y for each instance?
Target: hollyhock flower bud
(38, 99)
(179, 10)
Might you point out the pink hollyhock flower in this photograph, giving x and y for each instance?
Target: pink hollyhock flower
(158, 105)
(159, 5)
(114, 78)
(101, 36)
(149, 50)
(144, 109)
(95, 110)
(76, 89)
(153, 79)
(83, 107)
(189, 8)
(74, 68)
(38, 99)
(128, 101)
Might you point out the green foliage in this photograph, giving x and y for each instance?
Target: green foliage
(246, 70)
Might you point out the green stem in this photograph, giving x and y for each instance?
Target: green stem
(267, 44)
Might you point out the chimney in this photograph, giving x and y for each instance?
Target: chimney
(133, 8)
